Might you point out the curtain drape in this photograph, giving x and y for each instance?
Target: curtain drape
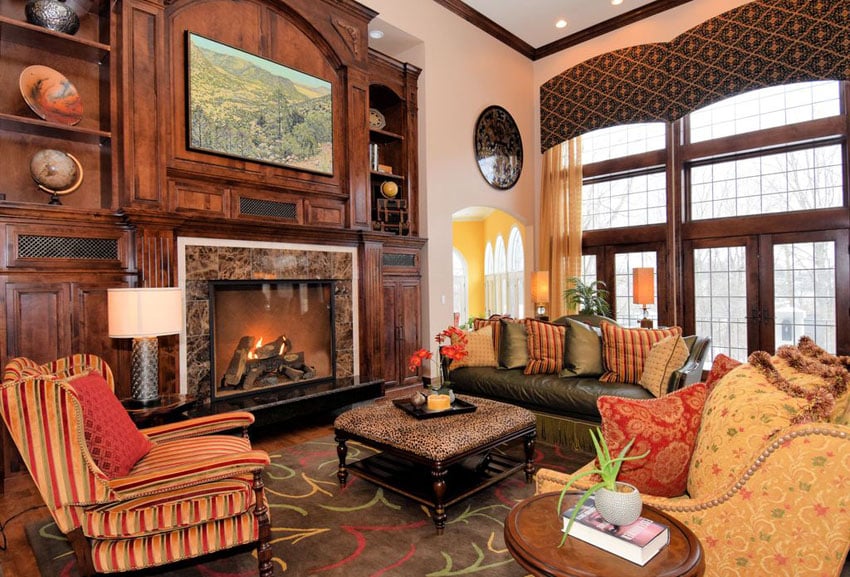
(560, 220)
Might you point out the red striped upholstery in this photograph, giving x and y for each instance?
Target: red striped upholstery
(192, 494)
(545, 347)
(625, 351)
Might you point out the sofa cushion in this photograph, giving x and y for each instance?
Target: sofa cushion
(666, 427)
(582, 350)
(664, 357)
(721, 365)
(493, 321)
(114, 441)
(479, 348)
(625, 351)
(513, 345)
(573, 397)
(742, 413)
(545, 347)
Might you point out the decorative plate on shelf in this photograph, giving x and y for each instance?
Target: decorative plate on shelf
(51, 95)
(376, 119)
(498, 147)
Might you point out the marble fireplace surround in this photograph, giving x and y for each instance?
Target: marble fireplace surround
(204, 259)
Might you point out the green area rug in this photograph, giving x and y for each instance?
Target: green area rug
(320, 529)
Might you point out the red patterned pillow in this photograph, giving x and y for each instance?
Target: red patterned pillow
(625, 350)
(666, 426)
(114, 441)
(545, 347)
(721, 365)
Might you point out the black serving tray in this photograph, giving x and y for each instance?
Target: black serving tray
(423, 412)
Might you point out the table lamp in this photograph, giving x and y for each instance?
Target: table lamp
(144, 314)
(540, 292)
(643, 292)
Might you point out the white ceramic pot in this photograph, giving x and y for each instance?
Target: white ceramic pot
(619, 507)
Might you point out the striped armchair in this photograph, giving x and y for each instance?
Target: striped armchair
(194, 491)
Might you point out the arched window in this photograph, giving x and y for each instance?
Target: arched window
(460, 292)
(489, 281)
(501, 276)
(516, 275)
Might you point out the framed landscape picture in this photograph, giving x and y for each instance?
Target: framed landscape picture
(245, 106)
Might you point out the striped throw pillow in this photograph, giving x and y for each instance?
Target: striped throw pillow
(625, 350)
(545, 347)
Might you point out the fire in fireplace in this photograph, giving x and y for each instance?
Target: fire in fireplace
(270, 333)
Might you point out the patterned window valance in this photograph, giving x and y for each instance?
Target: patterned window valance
(763, 43)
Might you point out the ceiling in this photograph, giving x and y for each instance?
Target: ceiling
(529, 26)
(534, 22)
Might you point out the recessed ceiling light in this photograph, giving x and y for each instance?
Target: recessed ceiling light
(376, 34)
(561, 23)
(616, 2)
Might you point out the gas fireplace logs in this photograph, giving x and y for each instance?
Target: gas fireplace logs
(255, 365)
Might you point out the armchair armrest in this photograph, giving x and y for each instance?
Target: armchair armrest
(186, 475)
(691, 371)
(786, 514)
(200, 426)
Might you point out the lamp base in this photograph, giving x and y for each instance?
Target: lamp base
(645, 323)
(144, 378)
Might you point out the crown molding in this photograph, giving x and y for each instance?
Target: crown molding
(478, 20)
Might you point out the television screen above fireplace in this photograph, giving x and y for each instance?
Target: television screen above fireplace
(269, 333)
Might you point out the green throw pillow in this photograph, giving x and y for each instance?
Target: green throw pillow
(582, 350)
(513, 346)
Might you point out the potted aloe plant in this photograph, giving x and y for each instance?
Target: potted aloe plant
(619, 503)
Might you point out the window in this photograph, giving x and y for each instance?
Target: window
(720, 299)
(800, 179)
(620, 141)
(515, 275)
(758, 195)
(630, 201)
(766, 108)
(500, 275)
(489, 280)
(460, 292)
(804, 293)
(628, 313)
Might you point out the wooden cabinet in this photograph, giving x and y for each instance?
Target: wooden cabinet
(393, 175)
(84, 60)
(402, 322)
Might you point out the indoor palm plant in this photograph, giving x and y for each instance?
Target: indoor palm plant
(608, 468)
(589, 298)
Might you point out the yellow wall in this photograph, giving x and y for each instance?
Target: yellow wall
(470, 238)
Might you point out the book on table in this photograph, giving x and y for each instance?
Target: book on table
(638, 542)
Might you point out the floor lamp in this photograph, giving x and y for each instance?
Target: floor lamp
(643, 292)
(144, 314)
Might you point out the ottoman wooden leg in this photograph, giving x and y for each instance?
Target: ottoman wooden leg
(438, 479)
(528, 442)
(342, 453)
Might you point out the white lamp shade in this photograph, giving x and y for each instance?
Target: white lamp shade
(643, 286)
(144, 312)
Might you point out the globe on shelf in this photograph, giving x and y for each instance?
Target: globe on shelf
(56, 173)
(389, 189)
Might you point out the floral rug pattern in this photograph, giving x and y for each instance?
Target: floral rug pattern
(322, 530)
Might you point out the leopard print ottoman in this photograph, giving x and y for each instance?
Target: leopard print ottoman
(420, 449)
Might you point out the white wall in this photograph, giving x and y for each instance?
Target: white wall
(464, 71)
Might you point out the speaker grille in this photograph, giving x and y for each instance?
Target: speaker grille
(256, 207)
(37, 246)
(399, 259)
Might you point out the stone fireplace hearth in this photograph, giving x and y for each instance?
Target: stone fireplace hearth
(201, 260)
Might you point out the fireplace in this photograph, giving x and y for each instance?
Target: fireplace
(206, 265)
(270, 333)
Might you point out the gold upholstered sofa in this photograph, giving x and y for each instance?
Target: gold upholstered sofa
(767, 487)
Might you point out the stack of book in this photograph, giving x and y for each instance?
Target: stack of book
(638, 542)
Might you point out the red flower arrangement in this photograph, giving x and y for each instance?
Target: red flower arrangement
(454, 350)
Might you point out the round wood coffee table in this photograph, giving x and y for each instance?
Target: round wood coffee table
(533, 533)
